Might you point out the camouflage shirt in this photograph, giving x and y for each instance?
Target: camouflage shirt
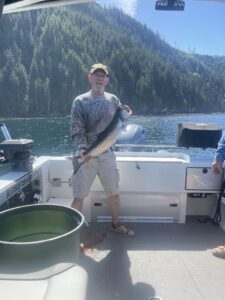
(90, 115)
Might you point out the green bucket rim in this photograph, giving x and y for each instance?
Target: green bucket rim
(40, 207)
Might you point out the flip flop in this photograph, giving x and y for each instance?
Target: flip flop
(219, 251)
(121, 229)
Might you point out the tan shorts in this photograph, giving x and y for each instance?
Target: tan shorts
(105, 167)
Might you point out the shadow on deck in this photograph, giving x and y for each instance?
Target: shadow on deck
(162, 261)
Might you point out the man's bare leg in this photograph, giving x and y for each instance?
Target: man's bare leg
(85, 235)
(114, 202)
(77, 204)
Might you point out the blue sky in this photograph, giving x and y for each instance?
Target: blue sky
(199, 28)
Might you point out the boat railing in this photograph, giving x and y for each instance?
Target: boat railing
(143, 147)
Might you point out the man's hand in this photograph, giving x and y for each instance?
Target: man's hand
(217, 167)
(128, 109)
(83, 158)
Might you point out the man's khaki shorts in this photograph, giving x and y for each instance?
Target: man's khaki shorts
(105, 167)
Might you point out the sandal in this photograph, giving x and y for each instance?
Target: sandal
(219, 251)
(119, 228)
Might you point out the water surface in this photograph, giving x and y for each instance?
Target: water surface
(51, 135)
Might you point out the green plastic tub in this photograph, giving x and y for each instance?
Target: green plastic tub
(38, 237)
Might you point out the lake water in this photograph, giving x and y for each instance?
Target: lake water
(51, 135)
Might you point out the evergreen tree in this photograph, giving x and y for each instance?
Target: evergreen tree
(46, 55)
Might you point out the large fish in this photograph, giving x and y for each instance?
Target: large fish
(107, 138)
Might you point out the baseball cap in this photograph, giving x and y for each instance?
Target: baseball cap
(99, 67)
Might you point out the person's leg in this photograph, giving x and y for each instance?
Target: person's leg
(114, 202)
(77, 203)
(81, 183)
(109, 177)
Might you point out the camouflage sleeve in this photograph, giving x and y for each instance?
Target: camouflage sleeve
(78, 127)
(117, 102)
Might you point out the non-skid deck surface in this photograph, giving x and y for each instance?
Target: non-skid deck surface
(163, 261)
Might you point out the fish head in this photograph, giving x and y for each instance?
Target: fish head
(124, 115)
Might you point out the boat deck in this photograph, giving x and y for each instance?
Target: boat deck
(163, 261)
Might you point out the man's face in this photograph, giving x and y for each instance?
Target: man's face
(98, 80)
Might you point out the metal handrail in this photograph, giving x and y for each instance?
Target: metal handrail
(147, 146)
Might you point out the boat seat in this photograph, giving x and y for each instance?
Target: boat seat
(64, 285)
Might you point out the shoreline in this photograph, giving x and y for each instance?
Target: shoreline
(137, 115)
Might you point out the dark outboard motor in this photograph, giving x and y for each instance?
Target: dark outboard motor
(17, 152)
(133, 135)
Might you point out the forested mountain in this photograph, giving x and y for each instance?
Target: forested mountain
(46, 55)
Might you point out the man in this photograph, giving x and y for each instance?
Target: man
(219, 158)
(90, 115)
(217, 167)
